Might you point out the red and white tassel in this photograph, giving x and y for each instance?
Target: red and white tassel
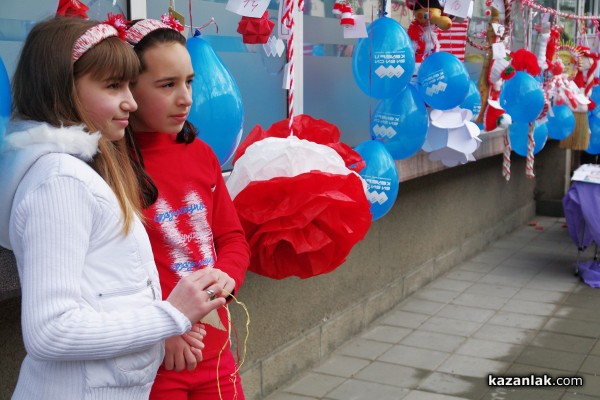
(530, 146)
(506, 158)
(337, 7)
(347, 18)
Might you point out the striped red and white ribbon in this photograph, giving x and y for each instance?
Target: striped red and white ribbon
(506, 157)
(530, 146)
(288, 20)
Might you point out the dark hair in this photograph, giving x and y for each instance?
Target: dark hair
(188, 132)
(44, 90)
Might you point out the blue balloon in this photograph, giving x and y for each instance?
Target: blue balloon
(518, 137)
(381, 176)
(5, 100)
(443, 81)
(595, 97)
(401, 123)
(561, 125)
(217, 109)
(473, 100)
(522, 98)
(594, 146)
(383, 62)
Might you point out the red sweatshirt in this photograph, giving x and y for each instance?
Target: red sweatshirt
(193, 224)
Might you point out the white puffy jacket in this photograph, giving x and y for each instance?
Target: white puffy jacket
(92, 315)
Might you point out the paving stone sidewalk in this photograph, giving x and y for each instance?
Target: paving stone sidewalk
(515, 309)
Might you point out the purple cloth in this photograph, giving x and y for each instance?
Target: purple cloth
(581, 206)
(590, 273)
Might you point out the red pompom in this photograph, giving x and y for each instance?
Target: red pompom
(525, 60)
(256, 30)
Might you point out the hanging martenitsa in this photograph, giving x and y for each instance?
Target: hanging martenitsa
(571, 70)
(586, 70)
(495, 61)
(297, 191)
(523, 99)
(299, 197)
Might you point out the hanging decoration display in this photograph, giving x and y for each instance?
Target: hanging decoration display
(425, 26)
(548, 10)
(400, 123)
(217, 110)
(383, 62)
(495, 57)
(561, 122)
(452, 137)
(443, 81)
(299, 197)
(454, 39)
(594, 145)
(578, 93)
(519, 137)
(472, 101)
(381, 175)
(523, 99)
(256, 30)
(343, 10)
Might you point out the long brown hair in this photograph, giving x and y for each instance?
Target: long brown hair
(44, 90)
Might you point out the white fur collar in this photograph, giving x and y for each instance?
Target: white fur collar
(67, 139)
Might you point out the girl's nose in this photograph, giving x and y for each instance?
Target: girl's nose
(129, 103)
(186, 97)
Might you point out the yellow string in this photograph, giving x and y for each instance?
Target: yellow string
(239, 365)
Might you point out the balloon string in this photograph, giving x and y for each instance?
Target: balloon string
(506, 157)
(233, 375)
(190, 11)
(530, 146)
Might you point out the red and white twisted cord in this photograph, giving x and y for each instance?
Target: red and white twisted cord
(532, 4)
(288, 21)
(506, 158)
(530, 146)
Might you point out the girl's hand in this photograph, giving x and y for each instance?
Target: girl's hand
(226, 283)
(196, 295)
(185, 351)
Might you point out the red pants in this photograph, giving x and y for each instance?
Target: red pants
(200, 384)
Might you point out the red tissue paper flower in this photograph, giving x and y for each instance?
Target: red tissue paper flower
(72, 8)
(302, 208)
(256, 30)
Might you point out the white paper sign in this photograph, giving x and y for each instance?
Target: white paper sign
(248, 8)
(459, 8)
(358, 30)
(498, 50)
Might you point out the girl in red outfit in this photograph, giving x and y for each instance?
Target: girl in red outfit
(190, 218)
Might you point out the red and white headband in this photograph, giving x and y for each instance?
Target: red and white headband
(142, 28)
(114, 26)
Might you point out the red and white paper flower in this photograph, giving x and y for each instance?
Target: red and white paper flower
(301, 205)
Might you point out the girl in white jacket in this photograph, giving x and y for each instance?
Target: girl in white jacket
(92, 316)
